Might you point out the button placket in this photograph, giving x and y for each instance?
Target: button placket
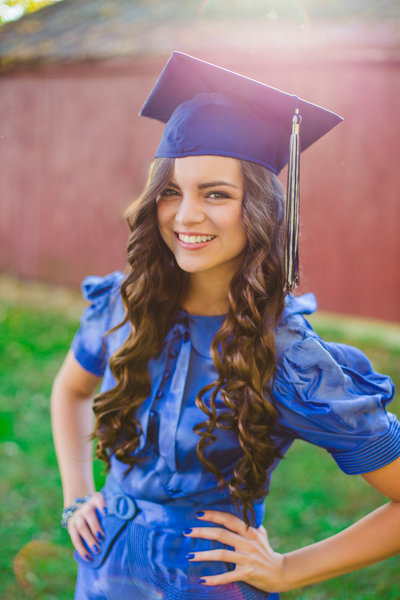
(160, 393)
(167, 375)
(173, 353)
(171, 408)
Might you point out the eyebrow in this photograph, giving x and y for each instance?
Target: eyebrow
(208, 184)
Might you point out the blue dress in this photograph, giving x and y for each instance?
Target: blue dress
(324, 393)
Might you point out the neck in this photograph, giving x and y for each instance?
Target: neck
(207, 294)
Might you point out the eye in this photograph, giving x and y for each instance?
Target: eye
(218, 195)
(169, 192)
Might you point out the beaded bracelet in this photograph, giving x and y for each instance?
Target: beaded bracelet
(69, 510)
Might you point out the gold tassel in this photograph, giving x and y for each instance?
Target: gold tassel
(292, 208)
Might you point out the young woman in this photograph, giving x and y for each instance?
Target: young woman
(210, 371)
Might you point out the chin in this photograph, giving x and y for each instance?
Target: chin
(191, 268)
(192, 264)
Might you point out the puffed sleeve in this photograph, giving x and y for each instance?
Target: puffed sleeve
(88, 345)
(329, 395)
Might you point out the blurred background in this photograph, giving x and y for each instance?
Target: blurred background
(74, 154)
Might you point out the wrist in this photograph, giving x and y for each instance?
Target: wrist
(278, 579)
(69, 510)
(286, 579)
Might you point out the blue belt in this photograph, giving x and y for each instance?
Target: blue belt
(125, 507)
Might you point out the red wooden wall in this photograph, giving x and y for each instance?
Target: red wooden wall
(73, 153)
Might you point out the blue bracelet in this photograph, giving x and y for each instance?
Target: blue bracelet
(69, 510)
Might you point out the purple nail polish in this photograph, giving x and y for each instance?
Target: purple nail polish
(100, 536)
(186, 531)
(95, 548)
(200, 513)
(202, 580)
(105, 511)
(88, 557)
(189, 556)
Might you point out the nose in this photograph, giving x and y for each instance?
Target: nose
(189, 211)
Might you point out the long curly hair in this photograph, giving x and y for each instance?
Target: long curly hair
(243, 349)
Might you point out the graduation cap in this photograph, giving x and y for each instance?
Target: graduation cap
(210, 110)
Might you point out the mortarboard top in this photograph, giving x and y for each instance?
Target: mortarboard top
(210, 110)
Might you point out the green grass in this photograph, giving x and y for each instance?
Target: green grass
(310, 497)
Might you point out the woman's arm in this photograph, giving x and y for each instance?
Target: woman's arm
(72, 424)
(371, 539)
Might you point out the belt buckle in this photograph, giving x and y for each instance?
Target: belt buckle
(122, 506)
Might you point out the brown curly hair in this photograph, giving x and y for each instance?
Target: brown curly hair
(243, 350)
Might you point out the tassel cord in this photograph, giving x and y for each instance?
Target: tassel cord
(293, 208)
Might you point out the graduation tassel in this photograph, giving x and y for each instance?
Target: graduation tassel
(292, 208)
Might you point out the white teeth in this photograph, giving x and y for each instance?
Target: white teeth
(194, 239)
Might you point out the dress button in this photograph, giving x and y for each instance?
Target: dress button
(173, 491)
(173, 353)
(160, 393)
(166, 375)
(153, 414)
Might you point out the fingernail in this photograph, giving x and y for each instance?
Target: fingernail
(202, 580)
(105, 511)
(95, 548)
(200, 513)
(189, 556)
(100, 536)
(88, 557)
(186, 531)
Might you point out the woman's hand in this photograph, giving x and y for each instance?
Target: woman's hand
(256, 563)
(84, 526)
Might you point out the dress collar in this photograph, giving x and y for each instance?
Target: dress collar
(201, 328)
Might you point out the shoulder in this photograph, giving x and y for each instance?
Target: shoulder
(104, 297)
(105, 310)
(293, 326)
(304, 356)
(98, 290)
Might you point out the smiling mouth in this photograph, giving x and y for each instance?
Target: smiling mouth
(194, 239)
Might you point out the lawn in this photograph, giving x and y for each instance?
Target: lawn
(310, 497)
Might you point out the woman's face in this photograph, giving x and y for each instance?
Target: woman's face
(200, 214)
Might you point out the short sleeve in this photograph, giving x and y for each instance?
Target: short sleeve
(88, 344)
(329, 395)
